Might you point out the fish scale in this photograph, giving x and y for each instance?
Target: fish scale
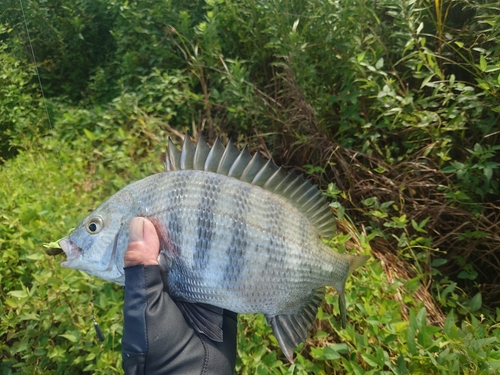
(236, 232)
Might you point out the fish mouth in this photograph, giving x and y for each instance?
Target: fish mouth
(71, 250)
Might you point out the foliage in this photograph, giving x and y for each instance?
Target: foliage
(391, 105)
(17, 99)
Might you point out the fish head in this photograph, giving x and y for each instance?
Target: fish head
(98, 244)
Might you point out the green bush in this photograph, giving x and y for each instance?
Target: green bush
(391, 104)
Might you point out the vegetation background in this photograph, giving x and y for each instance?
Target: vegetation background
(392, 106)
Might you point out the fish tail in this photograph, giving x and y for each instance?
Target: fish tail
(354, 262)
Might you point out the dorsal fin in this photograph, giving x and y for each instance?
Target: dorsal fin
(257, 171)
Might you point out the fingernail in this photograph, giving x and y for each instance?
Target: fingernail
(136, 232)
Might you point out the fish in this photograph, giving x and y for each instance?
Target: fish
(236, 233)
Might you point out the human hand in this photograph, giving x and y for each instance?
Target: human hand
(157, 339)
(144, 244)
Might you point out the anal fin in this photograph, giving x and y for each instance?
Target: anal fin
(205, 319)
(291, 329)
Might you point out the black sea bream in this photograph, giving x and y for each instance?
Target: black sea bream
(236, 232)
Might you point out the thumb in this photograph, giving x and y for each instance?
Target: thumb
(144, 244)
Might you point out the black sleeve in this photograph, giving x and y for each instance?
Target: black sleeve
(158, 340)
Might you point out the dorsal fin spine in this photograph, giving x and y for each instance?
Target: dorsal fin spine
(240, 163)
(314, 205)
(308, 195)
(300, 189)
(252, 168)
(200, 154)
(228, 158)
(285, 183)
(187, 153)
(214, 156)
(310, 201)
(265, 172)
(319, 219)
(173, 157)
(293, 185)
(269, 183)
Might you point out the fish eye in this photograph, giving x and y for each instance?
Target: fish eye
(95, 225)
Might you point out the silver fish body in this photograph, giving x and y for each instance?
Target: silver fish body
(235, 232)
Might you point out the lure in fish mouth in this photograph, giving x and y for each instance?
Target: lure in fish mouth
(236, 232)
(54, 251)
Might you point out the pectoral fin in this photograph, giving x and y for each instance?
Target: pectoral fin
(290, 330)
(203, 318)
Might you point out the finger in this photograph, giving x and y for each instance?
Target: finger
(144, 244)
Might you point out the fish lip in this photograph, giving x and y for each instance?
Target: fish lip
(71, 250)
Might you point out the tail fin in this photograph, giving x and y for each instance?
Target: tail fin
(354, 262)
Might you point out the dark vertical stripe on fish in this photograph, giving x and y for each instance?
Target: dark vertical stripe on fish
(238, 244)
(205, 222)
(174, 225)
(274, 217)
(305, 240)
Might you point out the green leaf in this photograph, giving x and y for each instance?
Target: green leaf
(488, 173)
(35, 256)
(403, 370)
(483, 65)
(422, 318)
(419, 227)
(476, 302)
(369, 201)
(469, 274)
(439, 262)
(373, 361)
(69, 337)
(89, 134)
(11, 302)
(450, 329)
(340, 347)
(330, 353)
(410, 340)
(420, 27)
(426, 80)
(18, 293)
